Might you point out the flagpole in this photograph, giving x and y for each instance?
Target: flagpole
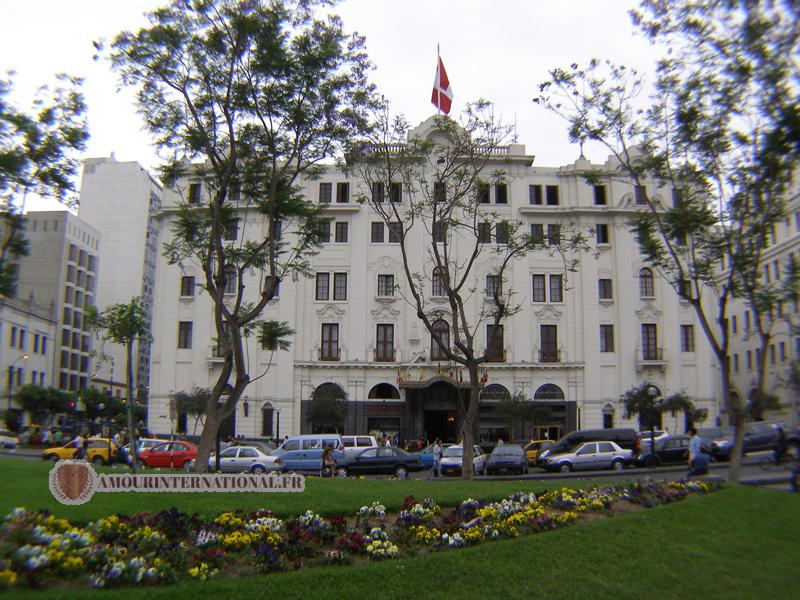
(438, 81)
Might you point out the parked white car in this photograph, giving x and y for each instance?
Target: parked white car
(8, 439)
(355, 444)
(238, 459)
(590, 456)
(452, 459)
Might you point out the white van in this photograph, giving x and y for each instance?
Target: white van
(353, 444)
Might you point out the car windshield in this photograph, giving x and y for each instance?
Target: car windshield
(456, 451)
(507, 451)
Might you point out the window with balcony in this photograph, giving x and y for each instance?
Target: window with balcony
(501, 193)
(549, 340)
(494, 344)
(606, 338)
(386, 285)
(646, 288)
(535, 194)
(185, 334)
(329, 350)
(440, 339)
(605, 289)
(384, 343)
(552, 195)
(342, 192)
(650, 342)
(187, 286)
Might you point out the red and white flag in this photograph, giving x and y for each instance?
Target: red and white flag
(442, 96)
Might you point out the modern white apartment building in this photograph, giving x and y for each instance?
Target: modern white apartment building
(579, 340)
(61, 271)
(784, 349)
(121, 199)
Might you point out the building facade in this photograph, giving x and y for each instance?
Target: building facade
(121, 199)
(61, 271)
(579, 340)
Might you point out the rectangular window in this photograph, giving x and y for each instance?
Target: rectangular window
(483, 193)
(535, 194)
(640, 194)
(397, 192)
(749, 357)
(495, 351)
(185, 334)
(187, 286)
(325, 193)
(395, 232)
(606, 338)
(734, 324)
(537, 233)
(758, 356)
(330, 342)
(324, 232)
(195, 190)
(747, 320)
(549, 338)
(376, 234)
(494, 286)
(439, 191)
(735, 363)
(552, 195)
(649, 342)
(554, 235)
(22, 339)
(384, 343)
(605, 289)
(501, 232)
(13, 341)
(501, 193)
(772, 354)
(232, 230)
(556, 289)
(340, 286)
(378, 191)
(484, 233)
(44, 345)
(341, 232)
(782, 350)
(538, 288)
(385, 285)
(600, 195)
(687, 338)
(777, 267)
(439, 232)
(602, 234)
(342, 192)
(323, 285)
(73, 252)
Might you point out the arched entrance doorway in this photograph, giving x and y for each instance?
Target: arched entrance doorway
(433, 409)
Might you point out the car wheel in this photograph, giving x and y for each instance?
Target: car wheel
(565, 468)
(618, 465)
(652, 461)
(341, 472)
(258, 470)
(53, 458)
(98, 460)
(401, 472)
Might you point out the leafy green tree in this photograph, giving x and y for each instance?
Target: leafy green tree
(327, 409)
(259, 93)
(124, 324)
(441, 227)
(714, 134)
(42, 402)
(39, 154)
(192, 403)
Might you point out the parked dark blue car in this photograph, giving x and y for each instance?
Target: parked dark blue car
(509, 458)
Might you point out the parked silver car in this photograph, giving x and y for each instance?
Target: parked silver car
(453, 457)
(238, 459)
(590, 456)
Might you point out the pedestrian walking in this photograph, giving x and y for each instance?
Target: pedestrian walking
(698, 461)
(437, 458)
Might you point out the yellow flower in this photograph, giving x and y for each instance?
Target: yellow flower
(7, 578)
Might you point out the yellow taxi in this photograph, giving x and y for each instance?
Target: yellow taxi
(533, 448)
(99, 452)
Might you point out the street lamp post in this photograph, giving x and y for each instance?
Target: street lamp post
(277, 426)
(653, 391)
(11, 378)
(219, 426)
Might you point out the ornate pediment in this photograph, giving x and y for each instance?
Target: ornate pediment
(331, 311)
(548, 314)
(385, 313)
(648, 312)
(385, 264)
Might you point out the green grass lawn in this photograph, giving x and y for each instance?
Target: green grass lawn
(24, 483)
(740, 542)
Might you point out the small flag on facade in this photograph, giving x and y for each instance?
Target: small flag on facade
(442, 96)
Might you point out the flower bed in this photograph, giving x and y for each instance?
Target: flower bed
(38, 549)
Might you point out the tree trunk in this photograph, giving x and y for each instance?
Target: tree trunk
(208, 440)
(737, 419)
(468, 424)
(131, 424)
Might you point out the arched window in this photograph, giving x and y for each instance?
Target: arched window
(329, 391)
(437, 280)
(440, 339)
(608, 416)
(646, 283)
(384, 391)
(495, 392)
(549, 391)
(267, 420)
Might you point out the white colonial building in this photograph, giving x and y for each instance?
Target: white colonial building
(578, 342)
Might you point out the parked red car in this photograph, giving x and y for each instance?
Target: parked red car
(172, 455)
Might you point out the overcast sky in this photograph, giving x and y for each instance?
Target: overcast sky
(499, 50)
